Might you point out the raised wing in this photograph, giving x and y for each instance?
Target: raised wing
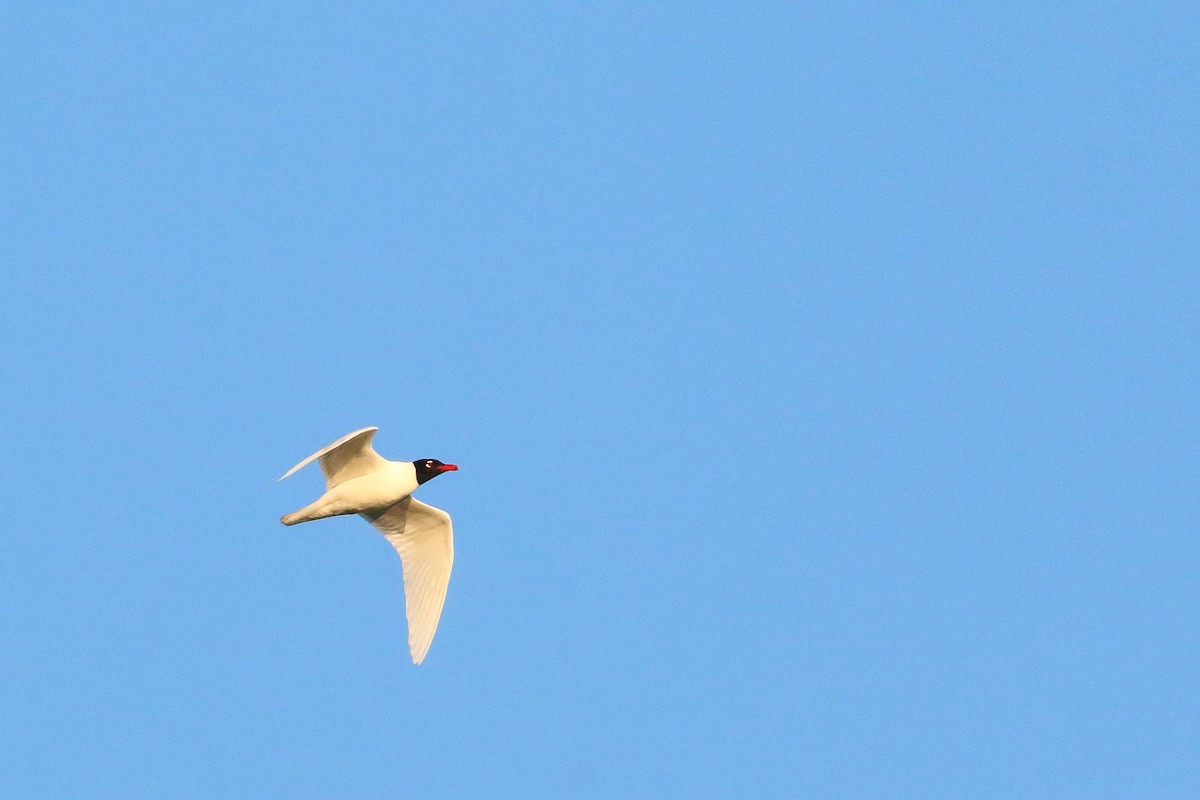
(424, 538)
(349, 457)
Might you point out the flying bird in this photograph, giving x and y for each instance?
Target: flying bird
(360, 481)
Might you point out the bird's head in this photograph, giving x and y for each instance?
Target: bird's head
(429, 468)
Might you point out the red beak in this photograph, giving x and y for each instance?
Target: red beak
(448, 468)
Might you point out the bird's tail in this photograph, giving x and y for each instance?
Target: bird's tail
(325, 506)
(310, 512)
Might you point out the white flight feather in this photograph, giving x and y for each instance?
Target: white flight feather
(424, 538)
(349, 457)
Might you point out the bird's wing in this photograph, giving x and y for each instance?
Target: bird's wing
(424, 538)
(349, 457)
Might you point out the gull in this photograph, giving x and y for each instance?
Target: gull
(360, 481)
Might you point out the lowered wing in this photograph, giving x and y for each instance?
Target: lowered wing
(351, 456)
(424, 538)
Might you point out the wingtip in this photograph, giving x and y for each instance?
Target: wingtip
(292, 471)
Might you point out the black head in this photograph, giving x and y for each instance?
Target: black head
(428, 468)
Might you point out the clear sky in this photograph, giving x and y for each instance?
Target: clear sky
(823, 378)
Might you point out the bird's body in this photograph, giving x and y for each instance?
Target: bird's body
(374, 491)
(360, 481)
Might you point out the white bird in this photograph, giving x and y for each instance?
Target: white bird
(360, 481)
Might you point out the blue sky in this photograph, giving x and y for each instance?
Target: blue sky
(823, 379)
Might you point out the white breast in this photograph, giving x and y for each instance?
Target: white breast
(381, 488)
